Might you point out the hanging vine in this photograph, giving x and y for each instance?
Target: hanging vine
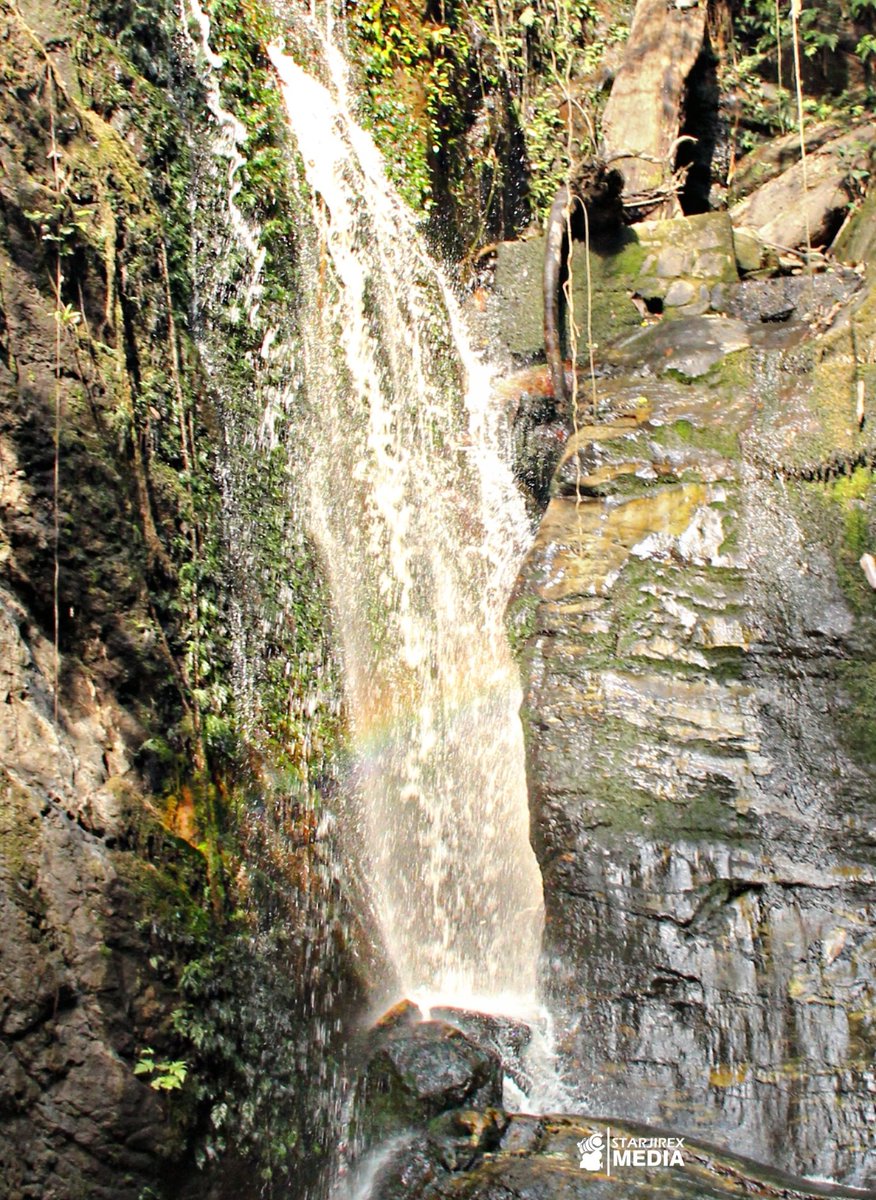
(484, 88)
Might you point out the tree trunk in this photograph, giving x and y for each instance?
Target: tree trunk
(643, 117)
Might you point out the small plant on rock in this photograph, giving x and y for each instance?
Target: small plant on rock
(167, 1075)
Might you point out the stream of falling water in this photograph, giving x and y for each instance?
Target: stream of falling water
(422, 530)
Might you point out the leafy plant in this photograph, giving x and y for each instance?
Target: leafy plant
(463, 104)
(167, 1076)
(763, 34)
(866, 46)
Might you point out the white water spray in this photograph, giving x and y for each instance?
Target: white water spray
(231, 134)
(422, 530)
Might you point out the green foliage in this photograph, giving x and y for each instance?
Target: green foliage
(251, 1091)
(60, 223)
(241, 32)
(759, 35)
(166, 1075)
(449, 100)
(287, 716)
(168, 413)
(407, 128)
(142, 30)
(254, 973)
(818, 24)
(856, 174)
(229, 948)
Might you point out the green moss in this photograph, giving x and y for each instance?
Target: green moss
(520, 621)
(621, 261)
(842, 516)
(855, 487)
(683, 432)
(464, 99)
(19, 842)
(732, 529)
(625, 809)
(236, 963)
(145, 570)
(857, 725)
(733, 374)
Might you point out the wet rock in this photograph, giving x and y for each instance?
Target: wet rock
(419, 1071)
(459, 1137)
(799, 296)
(492, 1029)
(580, 1158)
(400, 1015)
(540, 429)
(523, 1134)
(689, 346)
(70, 989)
(700, 741)
(507, 1037)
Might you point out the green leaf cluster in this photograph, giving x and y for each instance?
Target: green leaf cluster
(762, 56)
(468, 106)
(165, 1075)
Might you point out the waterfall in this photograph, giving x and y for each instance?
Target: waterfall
(414, 508)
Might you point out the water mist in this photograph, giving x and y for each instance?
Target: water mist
(421, 527)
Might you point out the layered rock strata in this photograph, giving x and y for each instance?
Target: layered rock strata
(698, 652)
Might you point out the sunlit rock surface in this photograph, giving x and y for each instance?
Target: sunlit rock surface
(699, 654)
(678, 266)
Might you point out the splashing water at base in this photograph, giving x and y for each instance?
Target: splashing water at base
(422, 530)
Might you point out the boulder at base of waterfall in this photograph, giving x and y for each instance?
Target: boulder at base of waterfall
(419, 1071)
(506, 1035)
(779, 209)
(402, 1014)
(500, 1156)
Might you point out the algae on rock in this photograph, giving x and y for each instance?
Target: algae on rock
(698, 651)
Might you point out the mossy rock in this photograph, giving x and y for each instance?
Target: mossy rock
(671, 267)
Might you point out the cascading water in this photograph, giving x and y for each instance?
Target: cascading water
(421, 527)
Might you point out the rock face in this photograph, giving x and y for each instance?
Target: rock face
(112, 876)
(699, 661)
(429, 1114)
(74, 995)
(499, 1156)
(77, 997)
(677, 267)
(774, 200)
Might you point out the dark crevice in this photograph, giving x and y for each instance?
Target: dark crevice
(701, 135)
